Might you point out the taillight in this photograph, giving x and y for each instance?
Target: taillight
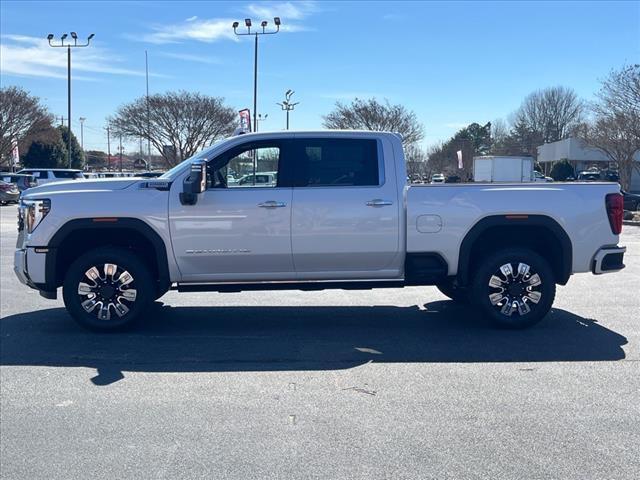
(615, 210)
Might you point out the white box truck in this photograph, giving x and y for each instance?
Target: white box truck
(503, 169)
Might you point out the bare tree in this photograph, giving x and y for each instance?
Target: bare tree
(185, 121)
(416, 160)
(440, 159)
(373, 115)
(550, 114)
(620, 95)
(615, 129)
(21, 115)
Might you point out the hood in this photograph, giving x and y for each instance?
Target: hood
(76, 186)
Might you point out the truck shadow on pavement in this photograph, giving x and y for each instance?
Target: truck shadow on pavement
(225, 339)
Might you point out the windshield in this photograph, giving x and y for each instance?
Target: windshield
(201, 154)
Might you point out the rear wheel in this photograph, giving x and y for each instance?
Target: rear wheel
(515, 288)
(107, 289)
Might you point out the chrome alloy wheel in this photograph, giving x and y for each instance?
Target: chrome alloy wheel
(108, 288)
(514, 290)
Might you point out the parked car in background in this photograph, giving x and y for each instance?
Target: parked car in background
(22, 181)
(539, 177)
(9, 193)
(438, 178)
(631, 201)
(262, 179)
(149, 174)
(589, 176)
(48, 175)
(453, 179)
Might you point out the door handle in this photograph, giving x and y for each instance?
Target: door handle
(272, 204)
(377, 202)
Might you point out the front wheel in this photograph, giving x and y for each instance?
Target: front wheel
(515, 288)
(107, 289)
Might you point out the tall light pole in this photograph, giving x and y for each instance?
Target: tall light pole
(146, 66)
(287, 105)
(256, 33)
(69, 46)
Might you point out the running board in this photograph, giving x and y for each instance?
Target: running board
(305, 286)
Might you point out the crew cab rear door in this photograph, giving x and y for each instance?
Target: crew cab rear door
(346, 208)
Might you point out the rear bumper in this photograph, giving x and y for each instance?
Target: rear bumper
(608, 260)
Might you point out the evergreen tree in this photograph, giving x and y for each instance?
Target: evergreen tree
(43, 154)
(562, 170)
(77, 155)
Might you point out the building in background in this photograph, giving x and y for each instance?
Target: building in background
(581, 157)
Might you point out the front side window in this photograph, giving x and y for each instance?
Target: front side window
(246, 166)
(336, 162)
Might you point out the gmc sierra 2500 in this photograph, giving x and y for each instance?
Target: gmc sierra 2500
(332, 210)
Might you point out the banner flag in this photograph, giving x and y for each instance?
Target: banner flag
(245, 119)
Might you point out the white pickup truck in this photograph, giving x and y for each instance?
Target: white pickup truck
(339, 216)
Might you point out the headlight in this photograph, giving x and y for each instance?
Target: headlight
(31, 213)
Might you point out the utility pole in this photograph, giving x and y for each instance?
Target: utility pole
(108, 147)
(286, 104)
(82, 119)
(120, 149)
(263, 24)
(69, 46)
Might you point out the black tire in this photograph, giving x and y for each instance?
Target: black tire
(458, 295)
(108, 288)
(518, 307)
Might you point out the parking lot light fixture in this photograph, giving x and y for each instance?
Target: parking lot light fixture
(263, 24)
(69, 46)
(287, 105)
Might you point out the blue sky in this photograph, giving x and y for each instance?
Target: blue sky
(452, 63)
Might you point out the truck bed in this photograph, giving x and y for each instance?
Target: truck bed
(439, 216)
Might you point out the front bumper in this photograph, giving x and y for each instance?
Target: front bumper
(20, 267)
(608, 260)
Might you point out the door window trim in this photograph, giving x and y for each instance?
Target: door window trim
(283, 180)
(382, 179)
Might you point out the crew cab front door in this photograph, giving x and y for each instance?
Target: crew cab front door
(240, 228)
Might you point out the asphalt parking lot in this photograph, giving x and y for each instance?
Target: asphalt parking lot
(373, 384)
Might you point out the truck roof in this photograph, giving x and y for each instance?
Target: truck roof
(293, 133)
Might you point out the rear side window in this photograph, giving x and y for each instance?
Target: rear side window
(336, 162)
(67, 175)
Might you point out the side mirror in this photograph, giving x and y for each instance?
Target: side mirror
(195, 183)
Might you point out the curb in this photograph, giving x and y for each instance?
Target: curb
(631, 222)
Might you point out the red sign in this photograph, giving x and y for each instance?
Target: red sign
(245, 119)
